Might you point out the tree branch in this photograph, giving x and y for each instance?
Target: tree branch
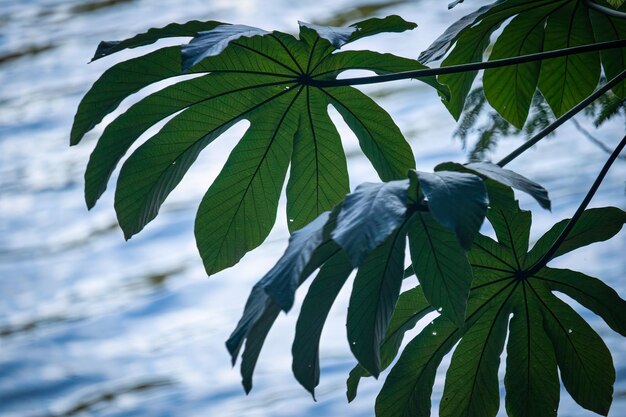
(605, 10)
(558, 122)
(570, 225)
(475, 66)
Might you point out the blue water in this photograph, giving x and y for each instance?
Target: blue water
(93, 325)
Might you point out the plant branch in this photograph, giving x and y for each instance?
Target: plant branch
(475, 66)
(605, 10)
(558, 122)
(570, 225)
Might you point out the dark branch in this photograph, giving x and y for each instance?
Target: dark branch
(570, 225)
(605, 10)
(558, 122)
(475, 66)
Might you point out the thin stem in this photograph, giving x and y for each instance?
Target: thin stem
(605, 10)
(475, 66)
(570, 225)
(558, 122)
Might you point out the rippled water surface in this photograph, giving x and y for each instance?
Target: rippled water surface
(93, 325)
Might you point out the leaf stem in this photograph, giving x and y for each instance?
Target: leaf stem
(558, 122)
(605, 10)
(583, 205)
(474, 66)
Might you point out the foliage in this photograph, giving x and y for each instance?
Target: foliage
(484, 290)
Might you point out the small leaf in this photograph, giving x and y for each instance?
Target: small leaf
(368, 216)
(411, 307)
(339, 36)
(120, 81)
(378, 135)
(531, 368)
(566, 81)
(510, 89)
(589, 292)
(606, 28)
(471, 387)
(594, 225)
(408, 386)
(374, 295)
(458, 201)
(313, 314)
(213, 42)
(173, 30)
(308, 249)
(503, 176)
(441, 266)
(584, 360)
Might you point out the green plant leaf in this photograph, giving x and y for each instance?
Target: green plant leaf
(457, 200)
(471, 387)
(313, 314)
(173, 30)
(566, 81)
(213, 42)
(441, 266)
(530, 26)
(368, 216)
(308, 249)
(531, 368)
(411, 307)
(594, 225)
(510, 90)
(584, 360)
(606, 28)
(256, 76)
(374, 295)
(544, 333)
(503, 176)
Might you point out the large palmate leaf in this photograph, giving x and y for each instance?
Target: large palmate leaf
(368, 231)
(244, 73)
(544, 333)
(530, 27)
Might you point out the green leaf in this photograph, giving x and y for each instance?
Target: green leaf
(120, 81)
(173, 30)
(531, 368)
(374, 294)
(339, 36)
(606, 28)
(458, 201)
(471, 38)
(441, 266)
(315, 308)
(543, 334)
(471, 387)
(510, 89)
(411, 307)
(213, 42)
(308, 249)
(615, 3)
(566, 81)
(408, 387)
(319, 175)
(379, 137)
(589, 292)
(503, 176)
(584, 360)
(594, 225)
(257, 76)
(368, 216)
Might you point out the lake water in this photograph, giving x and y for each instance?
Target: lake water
(93, 325)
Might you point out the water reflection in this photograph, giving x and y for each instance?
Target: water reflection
(93, 325)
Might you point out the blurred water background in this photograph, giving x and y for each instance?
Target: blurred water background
(93, 325)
